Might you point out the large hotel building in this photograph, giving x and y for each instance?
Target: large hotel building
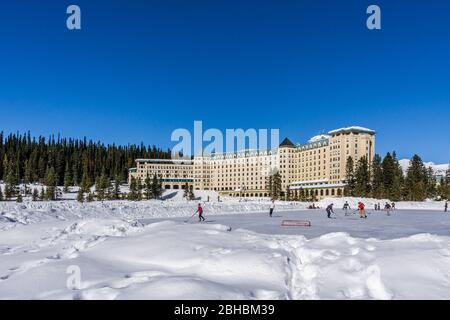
(316, 167)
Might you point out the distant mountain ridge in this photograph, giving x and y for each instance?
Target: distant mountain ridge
(439, 169)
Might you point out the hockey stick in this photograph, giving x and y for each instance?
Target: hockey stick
(190, 217)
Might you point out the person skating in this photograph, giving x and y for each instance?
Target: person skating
(445, 206)
(393, 206)
(387, 207)
(346, 207)
(200, 213)
(362, 210)
(329, 210)
(271, 208)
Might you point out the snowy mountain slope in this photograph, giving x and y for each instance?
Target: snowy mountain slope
(439, 169)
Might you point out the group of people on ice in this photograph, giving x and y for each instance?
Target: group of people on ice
(388, 207)
(361, 209)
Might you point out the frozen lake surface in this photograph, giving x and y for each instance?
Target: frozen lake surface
(401, 223)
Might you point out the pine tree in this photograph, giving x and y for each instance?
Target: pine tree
(416, 180)
(276, 186)
(349, 189)
(50, 184)
(392, 177)
(133, 194)
(101, 186)
(35, 196)
(90, 197)
(148, 187)
(302, 195)
(28, 172)
(156, 187)
(191, 195)
(269, 185)
(362, 178)
(444, 187)
(67, 178)
(10, 183)
(186, 191)
(116, 192)
(85, 183)
(140, 187)
(377, 178)
(80, 195)
(431, 188)
(288, 193)
(42, 194)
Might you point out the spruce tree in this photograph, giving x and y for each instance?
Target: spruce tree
(276, 185)
(101, 186)
(90, 197)
(85, 183)
(67, 178)
(140, 187)
(191, 195)
(269, 185)
(10, 183)
(156, 187)
(50, 184)
(377, 178)
(288, 193)
(349, 189)
(302, 195)
(35, 196)
(362, 178)
(148, 187)
(431, 183)
(80, 195)
(416, 180)
(133, 193)
(42, 194)
(186, 191)
(28, 178)
(116, 192)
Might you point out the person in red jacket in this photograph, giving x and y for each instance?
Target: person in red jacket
(200, 213)
(362, 210)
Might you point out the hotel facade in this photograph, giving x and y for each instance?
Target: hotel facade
(316, 168)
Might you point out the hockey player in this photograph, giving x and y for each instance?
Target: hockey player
(387, 207)
(200, 213)
(362, 210)
(271, 207)
(329, 210)
(346, 207)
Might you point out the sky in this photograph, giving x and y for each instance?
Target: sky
(137, 70)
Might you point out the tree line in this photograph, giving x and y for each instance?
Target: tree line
(69, 162)
(384, 178)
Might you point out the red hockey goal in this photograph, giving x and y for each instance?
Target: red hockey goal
(296, 223)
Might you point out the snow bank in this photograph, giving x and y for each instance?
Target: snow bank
(12, 213)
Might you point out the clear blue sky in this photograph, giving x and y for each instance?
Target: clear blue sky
(139, 69)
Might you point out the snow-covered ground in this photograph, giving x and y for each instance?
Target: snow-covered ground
(146, 250)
